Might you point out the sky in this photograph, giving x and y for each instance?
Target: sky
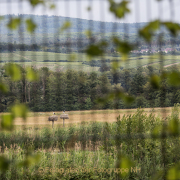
(141, 10)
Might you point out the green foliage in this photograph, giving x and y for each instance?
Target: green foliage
(173, 172)
(31, 75)
(174, 78)
(19, 110)
(4, 163)
(148, 31)
(94, 50)
(173, 28)
(119, 9)
(36, 2)
(123, 47)
(7, 121)
(65, 26)
(14, 71)
(14, 23)
(3, 88)
(31, 26)
(155, 81)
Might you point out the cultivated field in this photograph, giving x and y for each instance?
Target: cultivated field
(40, 119)
(37, 59)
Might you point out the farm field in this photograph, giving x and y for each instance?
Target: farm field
(77, 117)
(37, 59)
(92, 150)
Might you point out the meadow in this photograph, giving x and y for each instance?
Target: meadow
(127, 146)
(75, 60)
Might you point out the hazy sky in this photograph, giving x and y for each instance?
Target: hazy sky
(142, 10)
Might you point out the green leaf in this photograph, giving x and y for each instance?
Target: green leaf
(128, 99)
(123, 47)
(88, 8)
(115, 65)
(148, 31)
(31, 75)
(65, 26)
(36, 2)
(4, 163)
(125, 164)
(173, 127)
(7, 122)
(94, 50)
(88, 33)
(155, 81)
(119, 9)
(30, 160)
(14, 71)
(174, 28)
(14, 23)
(19, 110)
(52, 6)
(30, 25)
(174, 78)
(156, 132)
(3, 88)
(173, 173)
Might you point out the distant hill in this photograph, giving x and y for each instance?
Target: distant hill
(51, 24)
(47, 31)
(48, 27)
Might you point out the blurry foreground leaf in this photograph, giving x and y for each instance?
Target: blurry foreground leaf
(3, 88)
(14, 71)
(31, 75)
(19, 110)
(174, 28)
(52, 6)
(36, 2)
(125, 164)
(128, 99)
(115, 65)
(123, 47)
(174, 78)
(65, 26)
(148, 31)
(7, 122)
(173, 173)
(156, 132)
(88, 33)
(30, 160)
(155, 81)
(4, 164)
(88, 8)
(173, 127)
(30, 25)
(14, 23)
(94, 50)
(119, 9)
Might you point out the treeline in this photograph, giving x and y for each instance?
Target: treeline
(10, 47)
(75, 90)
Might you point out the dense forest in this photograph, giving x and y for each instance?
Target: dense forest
(76, 90)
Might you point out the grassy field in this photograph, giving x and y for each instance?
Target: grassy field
(37, 59)
(40, 119)
(93, 150)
